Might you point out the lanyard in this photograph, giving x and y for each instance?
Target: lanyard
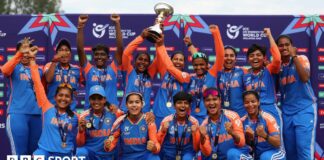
(199, 86)
(227, 80)
(180, 142)
(285, 75)
(64, 78)
(141, 83)
(255, 140)
(101, 121)
(210, 132)
(63, 127)
(259, 77)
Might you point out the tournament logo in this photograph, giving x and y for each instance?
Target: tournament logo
(233, 31)
(306, 24)
(50, 24)
(99, 30)
(189, 23)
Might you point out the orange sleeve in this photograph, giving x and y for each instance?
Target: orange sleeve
(206, 148)
(153, 137)
(9, 67)
(153, 68)
(182, 77)
(304, 61)
(274, 66)
(116, 135)
(39, 89)
(219, 48)
(271, 122)
(46, 67)
(128, 53)
(81, 138)
(196, 137)
(238, 129)
(161, 134)
(114, 67)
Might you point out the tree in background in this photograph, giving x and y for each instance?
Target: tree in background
(29, 6)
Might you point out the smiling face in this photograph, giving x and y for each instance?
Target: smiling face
(97, 102)
(134, 104)
(100, 57)
(63, 98)
(178, 61)
(212, 104)
(256, 60)
(25, 59)
(229, 59)
(200, 66)
(285, 46)
(251, 104)
(182, 108)
(142, 62)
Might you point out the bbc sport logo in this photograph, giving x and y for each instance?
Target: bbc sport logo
(41, 157)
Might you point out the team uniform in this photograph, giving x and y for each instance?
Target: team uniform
(133, 137)
(179, 140)
(263, 150)
(106, 77)
(137, 82)
(199, 84)
(299, 111)
(91, 141)
(219, 143)
(231, 87)
(59, 130)
(173, 81)
(22, 108)
(263, 83)
(70, 75)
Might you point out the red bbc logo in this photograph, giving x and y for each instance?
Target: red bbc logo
(321, 85)
(320, 49)
(169, 48)
(320, 58)
(113, 48)
(303, 50)
(321, 112)
(141, 49)
(87, 48)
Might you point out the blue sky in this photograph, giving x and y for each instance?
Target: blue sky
(210, 7)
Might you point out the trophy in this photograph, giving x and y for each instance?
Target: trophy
(162, 10)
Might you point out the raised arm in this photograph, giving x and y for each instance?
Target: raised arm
(219, 50)
(153, 144)
(9, 66)
(192, 49)
(50, 67)
(80, 40)
(42, 100)
(119, 38)
(274, 66)
(302, 65)
(182, 77)
(128, 52)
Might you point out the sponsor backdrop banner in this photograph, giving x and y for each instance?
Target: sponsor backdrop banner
(238, 31)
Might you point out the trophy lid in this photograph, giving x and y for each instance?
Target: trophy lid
(163, 7)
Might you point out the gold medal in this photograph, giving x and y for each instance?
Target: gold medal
(169, 104)
(226, 103)
(197, 110)
(214, 156)
(88, 125)
(178, 157)
(63, 145)
(111, 138)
